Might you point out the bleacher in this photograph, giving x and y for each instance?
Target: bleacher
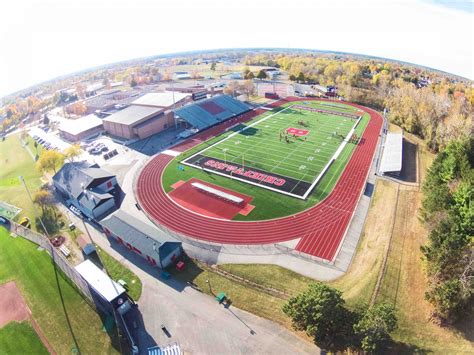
(209, 112)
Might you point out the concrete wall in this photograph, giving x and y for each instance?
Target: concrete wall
(119, 130)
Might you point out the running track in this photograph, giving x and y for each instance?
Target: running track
(321, 227)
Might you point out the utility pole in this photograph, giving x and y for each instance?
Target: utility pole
(22, 179)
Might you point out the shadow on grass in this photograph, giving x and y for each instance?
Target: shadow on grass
(52, 220)
(250, 131)
(465, 326)
(397, 348)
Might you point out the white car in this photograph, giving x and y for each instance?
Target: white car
(75, 210)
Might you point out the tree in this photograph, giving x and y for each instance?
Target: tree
(72, 152)
(42, 198)
(320, 312)
(249, 75)
(46, 119)
(133, 83)
(447, 210)
(50, 160)
(300, 77)
(375, 327)
(262, 74)
(292, 77)
(213, 66)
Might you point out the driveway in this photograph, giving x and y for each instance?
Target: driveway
(196, 321)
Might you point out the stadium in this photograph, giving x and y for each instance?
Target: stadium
(290, 172)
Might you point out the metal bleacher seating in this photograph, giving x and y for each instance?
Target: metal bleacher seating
(171, 349)
(207, 113)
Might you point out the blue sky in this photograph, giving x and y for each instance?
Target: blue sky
(42, 39)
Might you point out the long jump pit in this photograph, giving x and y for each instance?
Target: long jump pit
(211, 201)
(13, 308)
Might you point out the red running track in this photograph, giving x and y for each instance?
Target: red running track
(321, 227)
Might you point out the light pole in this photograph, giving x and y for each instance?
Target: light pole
(22, 179)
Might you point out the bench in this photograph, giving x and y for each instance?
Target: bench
(64, 250)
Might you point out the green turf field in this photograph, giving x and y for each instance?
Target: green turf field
(264, 144)
(20, 338)
(269, 204)
(33, 272)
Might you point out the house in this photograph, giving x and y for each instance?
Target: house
(87, 187)
(158, 248)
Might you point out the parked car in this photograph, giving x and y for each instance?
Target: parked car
(4, 221)
(75, 210)
(104, 149)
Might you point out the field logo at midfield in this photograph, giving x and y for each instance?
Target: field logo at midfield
(297, 132)
(251, 174)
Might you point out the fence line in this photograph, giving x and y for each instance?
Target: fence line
(58, 258)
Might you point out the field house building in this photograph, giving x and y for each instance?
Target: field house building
(87, 187)
(148, 115)
(148, 242)
(81, 128)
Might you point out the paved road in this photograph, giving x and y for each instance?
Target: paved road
(196, 321)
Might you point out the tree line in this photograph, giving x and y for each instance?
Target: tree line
(449, 214)
(432, 105)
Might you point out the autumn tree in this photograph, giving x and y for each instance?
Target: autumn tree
(72, 152)
(50, 160)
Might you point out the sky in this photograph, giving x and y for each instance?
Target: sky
(44, 39)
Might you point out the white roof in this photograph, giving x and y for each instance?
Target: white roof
(80, 125)
(99, 281)
(392, 153)
(160, 99)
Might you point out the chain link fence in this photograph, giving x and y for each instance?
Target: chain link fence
(58, 258)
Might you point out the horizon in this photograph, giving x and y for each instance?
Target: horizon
(48, 42)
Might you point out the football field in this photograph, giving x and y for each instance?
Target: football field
(286, 151)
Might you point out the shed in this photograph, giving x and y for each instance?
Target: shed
(157, 247)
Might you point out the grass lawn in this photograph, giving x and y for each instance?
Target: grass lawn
(403, 285)
(118, 271)
(241, 295)
(34, 274)
(271, 204)
(15, 161)
(20, 338)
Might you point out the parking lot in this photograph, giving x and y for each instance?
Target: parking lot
(48, 139)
